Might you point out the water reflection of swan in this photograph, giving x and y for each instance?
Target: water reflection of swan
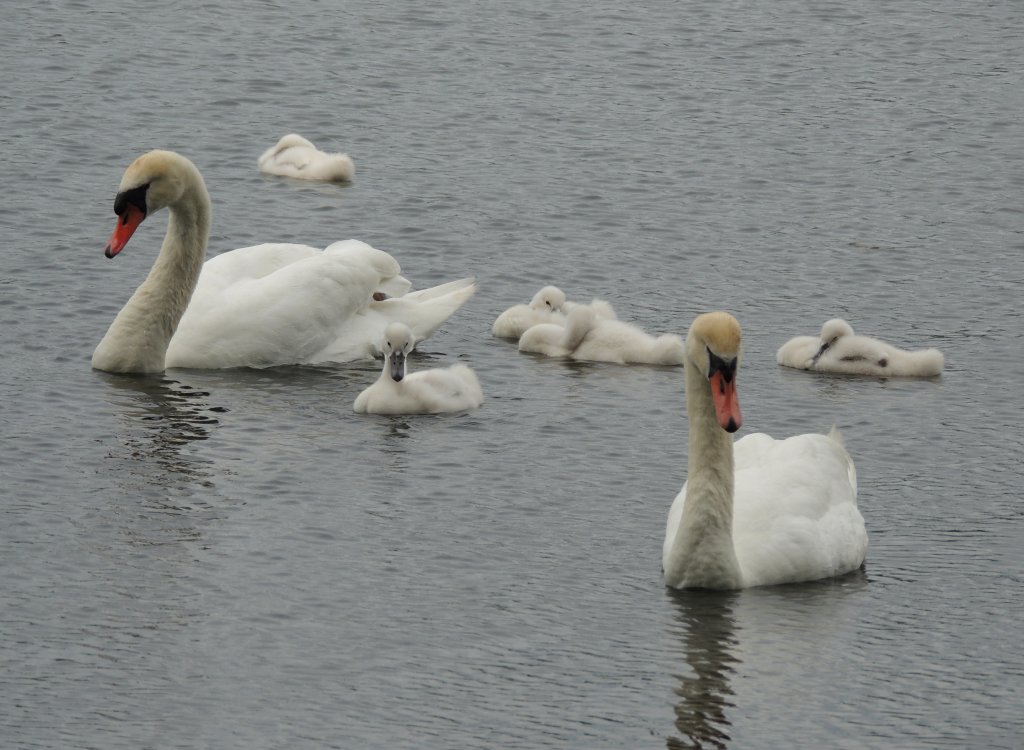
(705, 696)
(160, 417)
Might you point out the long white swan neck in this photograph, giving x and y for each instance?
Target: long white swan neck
(137, 339)
(177, 267)
(710, 474)
(703, 554)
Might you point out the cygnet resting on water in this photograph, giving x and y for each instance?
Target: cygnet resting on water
(545, 307)
(588, 337)
(839, 350)
(441, 390)
(549, 305)
(294, 156)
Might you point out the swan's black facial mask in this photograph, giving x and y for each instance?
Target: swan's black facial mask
(130, 206)
(134, 197)
(725, 366)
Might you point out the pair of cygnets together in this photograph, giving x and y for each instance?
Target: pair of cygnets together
(553, 326)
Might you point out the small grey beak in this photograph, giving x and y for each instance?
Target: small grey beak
(397, 360)
(822, 350)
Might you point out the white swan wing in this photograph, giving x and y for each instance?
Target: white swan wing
(795, 510)
(423, 312)
(271, 313)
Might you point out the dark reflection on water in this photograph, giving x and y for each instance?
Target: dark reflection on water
(160, 417)
(708, 643)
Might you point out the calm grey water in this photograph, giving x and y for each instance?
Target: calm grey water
(234, 560)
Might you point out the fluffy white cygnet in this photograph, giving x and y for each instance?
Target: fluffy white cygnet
(294, 156)
(549, 305)
(436, 391)
(839, 350)
(588, 337)
(545, 307)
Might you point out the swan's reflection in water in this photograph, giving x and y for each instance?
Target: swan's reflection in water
(708, 642)
(159, 419)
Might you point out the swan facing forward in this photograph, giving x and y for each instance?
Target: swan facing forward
(294, 156)
(763, 511)
(839, 350)
(436, 391)
(272, 304)
(589, 337)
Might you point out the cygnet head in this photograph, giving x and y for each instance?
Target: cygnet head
(831, 332)
(550, 298)
(398, 342)
(713, 351)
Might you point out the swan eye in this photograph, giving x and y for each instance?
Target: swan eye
(717, 364)
(136, 197)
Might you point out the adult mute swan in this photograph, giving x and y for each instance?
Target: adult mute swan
(839, 350)
(763, 511)
(272, 304)
(294, 156)
(436, 391)
(586, 336)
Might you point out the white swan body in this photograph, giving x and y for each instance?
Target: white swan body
(294, 156)
(436, 391)
(761, 512)
(589, 337)
(272, 304)
(839, 350)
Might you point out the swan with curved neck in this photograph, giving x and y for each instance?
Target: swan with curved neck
(436, 391)
(839, 350)
(762, 511)
(137, 339)
(259, 306)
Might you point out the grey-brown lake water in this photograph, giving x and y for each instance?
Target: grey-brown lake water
(233, 559)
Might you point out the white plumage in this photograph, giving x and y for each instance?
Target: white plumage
(294, 156)
(587, 336)
(549, 305)
(545, 307)
(435, 391)
(271, 304)
(762, 511)
(839, 350)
